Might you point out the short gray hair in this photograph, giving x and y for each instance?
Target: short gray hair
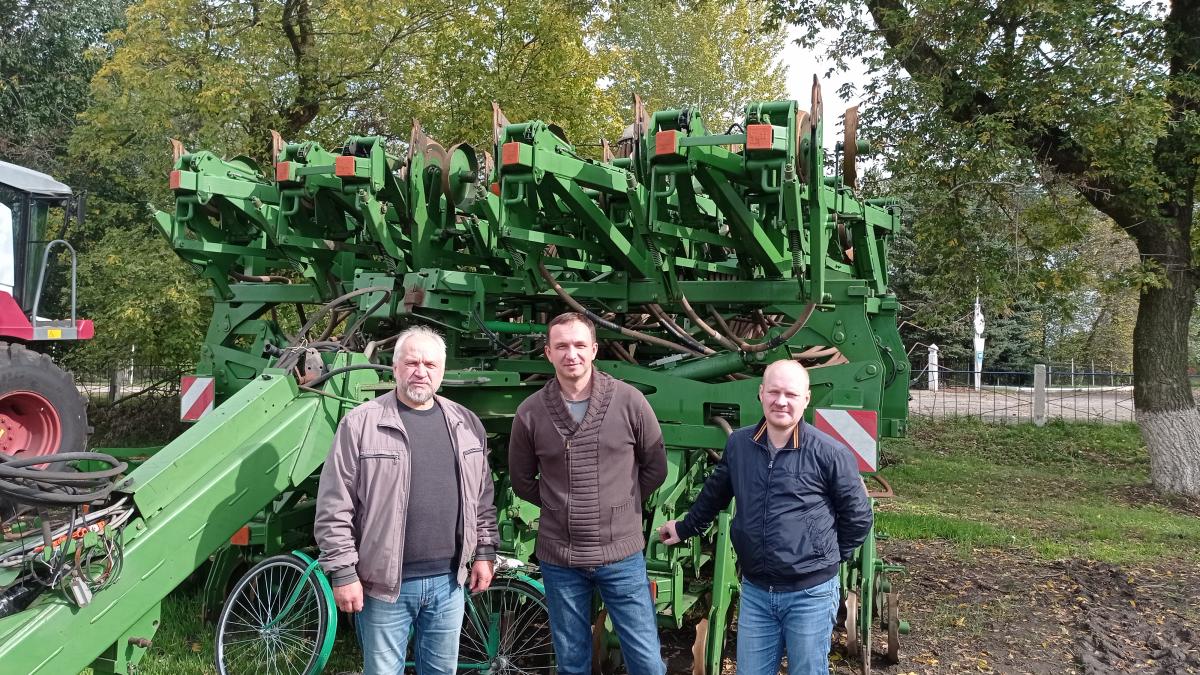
(417, 331)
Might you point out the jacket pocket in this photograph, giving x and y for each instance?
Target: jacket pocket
(624, 520)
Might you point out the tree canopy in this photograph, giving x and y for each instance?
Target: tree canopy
(219, 74)
(1101, 98)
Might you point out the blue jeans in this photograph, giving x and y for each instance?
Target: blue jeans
(625, 590)
(800, 621)
(429, 607)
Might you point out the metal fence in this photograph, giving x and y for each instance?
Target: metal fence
(103, 388)
(1040, 394)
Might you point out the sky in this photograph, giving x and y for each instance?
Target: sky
(802, 65)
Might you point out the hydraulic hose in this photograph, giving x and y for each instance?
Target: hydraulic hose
(24, 484)
(768, 344)
(327, 307)
(627, 332)
(691, 313)
(675, 329)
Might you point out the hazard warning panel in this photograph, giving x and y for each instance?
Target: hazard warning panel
(196, 397)
(857, 429)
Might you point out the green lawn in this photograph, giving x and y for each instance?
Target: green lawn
(1064, 490)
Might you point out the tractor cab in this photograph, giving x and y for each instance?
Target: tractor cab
(41, 410)
(26, 198)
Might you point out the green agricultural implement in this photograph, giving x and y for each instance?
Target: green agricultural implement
(702, 257)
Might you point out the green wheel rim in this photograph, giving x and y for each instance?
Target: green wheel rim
(326, 646)
(280, 618)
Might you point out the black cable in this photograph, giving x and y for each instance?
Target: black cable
(24, 484)
(345, 369)
(312, 321)
(355, 326)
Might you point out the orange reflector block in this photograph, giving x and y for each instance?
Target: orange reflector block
(760, 137)
(241, 537)
(510, 153)
(664, 142)
(653, 590)
(496, 189)
(175, 179)
(344, 167)
(283, 172)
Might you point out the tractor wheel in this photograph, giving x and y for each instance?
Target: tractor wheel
(41, 411)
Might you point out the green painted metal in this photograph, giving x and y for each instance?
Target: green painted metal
(326, 641)
(683, 235)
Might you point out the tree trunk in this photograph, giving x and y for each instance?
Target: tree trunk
(1166, 411)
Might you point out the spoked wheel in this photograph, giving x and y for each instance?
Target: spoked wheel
(506, 629)
(279, 618)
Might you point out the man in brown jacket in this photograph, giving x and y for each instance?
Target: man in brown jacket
(406, 470)
(587, 450)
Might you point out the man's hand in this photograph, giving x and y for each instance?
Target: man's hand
(481, 575)
(667, 533)
(349, 598)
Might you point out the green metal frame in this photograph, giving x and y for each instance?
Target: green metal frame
(740, 226)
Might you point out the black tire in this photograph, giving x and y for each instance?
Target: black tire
(25, 370)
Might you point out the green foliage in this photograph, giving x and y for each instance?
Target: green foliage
(44, 74)
(1008, 126)
(218, 75)
(709, 54)
(146, 303)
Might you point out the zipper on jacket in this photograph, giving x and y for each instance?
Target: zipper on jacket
(766, 509)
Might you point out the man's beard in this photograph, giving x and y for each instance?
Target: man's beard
(418, 393)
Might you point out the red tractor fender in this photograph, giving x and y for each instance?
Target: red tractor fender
(14, 323)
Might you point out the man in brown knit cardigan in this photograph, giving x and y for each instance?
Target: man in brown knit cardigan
(588, 451)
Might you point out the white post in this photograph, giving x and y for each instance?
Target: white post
(979, 340)
(1072, 372)
(1039, 395)
(932, 370)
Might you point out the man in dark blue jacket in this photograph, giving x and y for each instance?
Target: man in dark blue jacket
(801, 510)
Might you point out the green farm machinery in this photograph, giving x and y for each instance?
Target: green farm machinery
(701, 256)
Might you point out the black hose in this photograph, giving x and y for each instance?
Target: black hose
(600, 321)
(669, 325)
(345, 369)
(325, 309)
(24, 484)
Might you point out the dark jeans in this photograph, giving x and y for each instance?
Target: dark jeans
(625, 589)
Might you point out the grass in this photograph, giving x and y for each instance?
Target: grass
(1063, 490)
(183, 645)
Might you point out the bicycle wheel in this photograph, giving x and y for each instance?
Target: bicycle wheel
(506, 629)
(279, 618)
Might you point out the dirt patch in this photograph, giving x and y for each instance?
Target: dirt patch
(1000, 612)
(993, 611)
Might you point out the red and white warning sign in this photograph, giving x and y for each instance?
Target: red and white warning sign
(196, 397)
(857, 429)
